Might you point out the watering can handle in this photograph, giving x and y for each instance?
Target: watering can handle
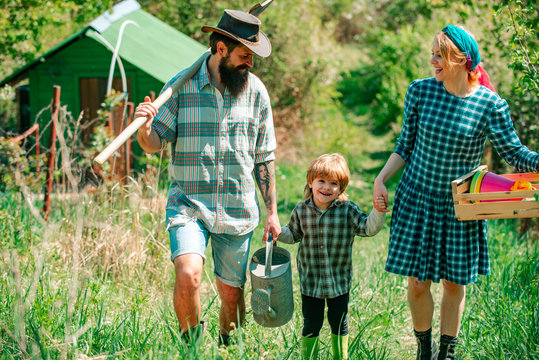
(269, 255)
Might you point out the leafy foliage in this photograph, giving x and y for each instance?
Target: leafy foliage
(30, 26)
(8, 112)
(521, 18)
(377, 85)
(13, 159)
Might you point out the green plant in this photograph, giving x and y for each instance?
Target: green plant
(14, 159)
(505, 303)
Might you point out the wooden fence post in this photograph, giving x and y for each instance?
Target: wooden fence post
(38, 169)
(52, 151)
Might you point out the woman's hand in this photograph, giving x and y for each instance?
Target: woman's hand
(379, 196)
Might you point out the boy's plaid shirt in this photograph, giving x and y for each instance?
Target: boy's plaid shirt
(215, 143)
(325, 244)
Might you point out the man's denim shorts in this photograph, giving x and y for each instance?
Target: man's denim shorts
(230, 252)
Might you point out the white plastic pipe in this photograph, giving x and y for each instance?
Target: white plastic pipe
(118, 60)
(115, 55)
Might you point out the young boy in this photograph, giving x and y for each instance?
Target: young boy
(325, 224)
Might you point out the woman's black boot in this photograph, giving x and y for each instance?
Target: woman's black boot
(447, 347)
(426, 346)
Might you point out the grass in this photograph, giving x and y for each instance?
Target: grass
(96, 283)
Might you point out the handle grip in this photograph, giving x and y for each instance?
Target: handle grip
(269, 256)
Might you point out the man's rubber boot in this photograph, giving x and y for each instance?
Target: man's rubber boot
(426, 346)
(339, 346)
(447, 347)
(309, 348)
(223, 340)
(195, 335)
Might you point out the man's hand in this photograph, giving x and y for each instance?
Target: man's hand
(273, 227)
(148, 139)
(147, 109)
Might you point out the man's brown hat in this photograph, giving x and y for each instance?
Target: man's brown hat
(245, 28)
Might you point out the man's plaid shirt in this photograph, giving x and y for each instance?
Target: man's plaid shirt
(215, 143)
(325, 250)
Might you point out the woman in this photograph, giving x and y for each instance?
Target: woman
(446, 121)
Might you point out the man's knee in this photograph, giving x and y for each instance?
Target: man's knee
(188, 275)
(230, 295)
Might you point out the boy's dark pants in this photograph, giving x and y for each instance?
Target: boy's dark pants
(313, 314)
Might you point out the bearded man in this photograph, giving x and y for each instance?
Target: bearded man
(220, 128)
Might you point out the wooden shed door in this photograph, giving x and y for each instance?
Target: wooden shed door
(92, 94)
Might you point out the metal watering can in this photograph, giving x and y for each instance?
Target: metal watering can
(271, 280)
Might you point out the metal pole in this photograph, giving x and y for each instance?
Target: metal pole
(27, 133)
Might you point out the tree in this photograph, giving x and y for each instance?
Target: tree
(29, 27)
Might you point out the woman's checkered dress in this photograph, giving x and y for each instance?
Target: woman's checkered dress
(442, 139)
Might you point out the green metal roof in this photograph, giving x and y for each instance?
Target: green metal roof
(153, 46)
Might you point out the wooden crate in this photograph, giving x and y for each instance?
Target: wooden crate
(465, 209)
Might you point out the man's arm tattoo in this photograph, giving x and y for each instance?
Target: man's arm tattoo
(265, 178)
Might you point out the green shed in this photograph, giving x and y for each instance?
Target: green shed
(150, 53)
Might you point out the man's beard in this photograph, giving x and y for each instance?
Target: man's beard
(234, 78)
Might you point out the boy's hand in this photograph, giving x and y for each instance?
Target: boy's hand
(380, 204)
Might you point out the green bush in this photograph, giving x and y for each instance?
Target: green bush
(14, 159)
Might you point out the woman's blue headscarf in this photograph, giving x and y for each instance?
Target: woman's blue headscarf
(466, 43)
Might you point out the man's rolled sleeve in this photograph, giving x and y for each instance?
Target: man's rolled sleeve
(265, 142)
(164, 123)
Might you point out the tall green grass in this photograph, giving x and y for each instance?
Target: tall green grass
(97, 283)
(502, 319)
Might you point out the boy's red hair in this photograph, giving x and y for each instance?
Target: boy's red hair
(328, 166)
